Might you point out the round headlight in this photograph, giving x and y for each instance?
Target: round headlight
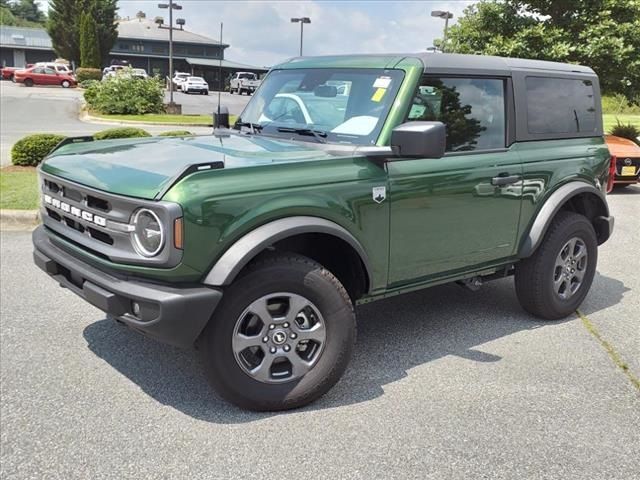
(148, 236)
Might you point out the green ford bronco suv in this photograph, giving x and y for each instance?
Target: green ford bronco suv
(346, 179)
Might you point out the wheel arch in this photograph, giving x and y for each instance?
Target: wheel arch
(320, 239)
(576, 196)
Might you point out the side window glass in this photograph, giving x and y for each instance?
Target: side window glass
(38, 70)
(560, 105)
(49, 71)
(472, 109)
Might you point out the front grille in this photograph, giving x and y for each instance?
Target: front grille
(99, 222)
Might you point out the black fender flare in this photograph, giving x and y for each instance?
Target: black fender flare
(236, 257)
(602, 223)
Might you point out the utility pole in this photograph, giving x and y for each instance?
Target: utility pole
(171, 6)
(301, 21)
(446, 15)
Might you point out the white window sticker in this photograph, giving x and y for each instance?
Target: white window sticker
(382, 82)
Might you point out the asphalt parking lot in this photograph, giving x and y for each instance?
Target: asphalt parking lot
(445, 383)
(24, 111)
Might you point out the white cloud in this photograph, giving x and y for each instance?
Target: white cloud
(261, 33)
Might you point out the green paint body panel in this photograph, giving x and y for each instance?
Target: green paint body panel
(442, 219)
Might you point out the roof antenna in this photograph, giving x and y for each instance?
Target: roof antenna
(221, 117)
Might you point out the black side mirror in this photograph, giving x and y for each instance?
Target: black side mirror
(419, 139)
(221, 118)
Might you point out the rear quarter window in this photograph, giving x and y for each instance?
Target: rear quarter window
(560, 105)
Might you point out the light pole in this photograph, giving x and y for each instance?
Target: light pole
(301, 21)
(171, 6)
(446, 15)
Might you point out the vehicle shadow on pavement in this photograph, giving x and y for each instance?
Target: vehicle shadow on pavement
(394, 336)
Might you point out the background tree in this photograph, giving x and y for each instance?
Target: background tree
(89, 43)
(21, 13)
(28, 10)
(602, 34)
(65, 17)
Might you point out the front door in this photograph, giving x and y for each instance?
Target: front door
(461, 211)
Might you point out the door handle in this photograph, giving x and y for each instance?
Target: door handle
(505, 179)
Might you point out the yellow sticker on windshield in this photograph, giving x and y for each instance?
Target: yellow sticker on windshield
(378, 94)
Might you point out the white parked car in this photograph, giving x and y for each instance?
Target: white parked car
(139, 73)
(58, 67)
(111, 71)
(179, 78)
(195, 85)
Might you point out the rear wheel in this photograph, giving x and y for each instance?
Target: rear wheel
(282, 336)
(553, 282)
(28, 82)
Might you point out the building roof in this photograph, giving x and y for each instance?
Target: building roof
(225, 64)
(145, 29)
(33, 38)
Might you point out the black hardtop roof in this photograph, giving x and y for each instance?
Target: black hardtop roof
(453, 63)
(502, 65)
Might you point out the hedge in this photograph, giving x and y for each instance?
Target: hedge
(121, 132)
(123, 94)
(83, 74)
(87, 83)
(31, 150)
(176, 133)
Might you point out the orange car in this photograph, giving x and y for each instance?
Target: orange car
(625, 160)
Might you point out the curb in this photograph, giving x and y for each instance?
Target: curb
(19, 219)
(86, 117)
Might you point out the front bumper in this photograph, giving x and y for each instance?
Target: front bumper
(169, 314)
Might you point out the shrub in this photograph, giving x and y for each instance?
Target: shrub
(121, 132)
(629, 131)
(176, 133)
(31, 150)
(83, 74)
(86, 83)
(126, 95)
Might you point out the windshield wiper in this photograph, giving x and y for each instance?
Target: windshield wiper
(319, 134)
(255, 127)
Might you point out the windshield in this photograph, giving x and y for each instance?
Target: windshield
(343, 105)
(196, 80)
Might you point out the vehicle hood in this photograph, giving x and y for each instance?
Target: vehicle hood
(622, 147)
(146, 167)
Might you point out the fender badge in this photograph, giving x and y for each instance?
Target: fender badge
(379, 194)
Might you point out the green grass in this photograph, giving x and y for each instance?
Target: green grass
(610, 120)
(184, 120)
(18, 188)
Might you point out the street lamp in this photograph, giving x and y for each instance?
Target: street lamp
(301, 21)
(171, 6)
(446, 15)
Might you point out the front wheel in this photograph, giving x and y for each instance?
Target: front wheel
(28, 82)
(65, 84)
(281, 337)
(553, 282)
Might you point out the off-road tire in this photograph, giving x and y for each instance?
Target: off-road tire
(534, 275)
(283, 272)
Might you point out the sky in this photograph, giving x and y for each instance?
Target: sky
(260, 32)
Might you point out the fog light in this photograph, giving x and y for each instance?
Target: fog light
(135, 308)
